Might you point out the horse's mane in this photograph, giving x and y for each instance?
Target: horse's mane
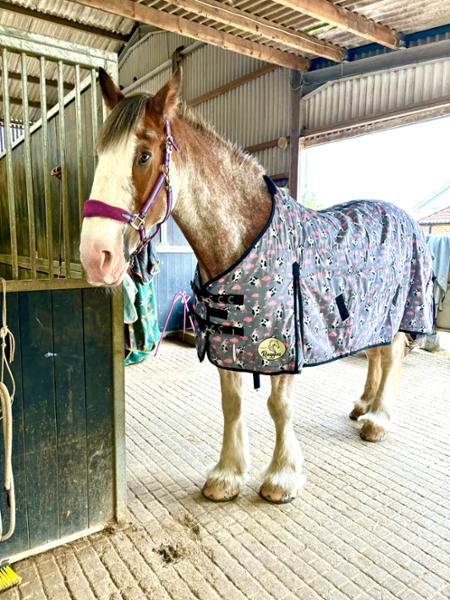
(193, 119)
(126, 116)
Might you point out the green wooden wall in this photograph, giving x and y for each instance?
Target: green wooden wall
(63, 453)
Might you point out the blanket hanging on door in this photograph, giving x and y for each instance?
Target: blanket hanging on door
(316, 286)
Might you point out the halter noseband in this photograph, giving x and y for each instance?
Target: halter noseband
(97, 208)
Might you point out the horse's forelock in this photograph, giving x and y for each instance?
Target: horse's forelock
(124, 118)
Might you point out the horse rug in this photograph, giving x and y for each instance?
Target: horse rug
(316, 286)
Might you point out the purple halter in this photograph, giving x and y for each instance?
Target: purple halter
(97, 208)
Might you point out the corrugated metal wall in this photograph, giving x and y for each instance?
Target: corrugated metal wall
(375, 94)
(177, 269)
(255, 112)
(259, 111)
(147, 54)
(209, 67)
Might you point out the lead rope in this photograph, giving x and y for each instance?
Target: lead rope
(6, 400)
(186, 315)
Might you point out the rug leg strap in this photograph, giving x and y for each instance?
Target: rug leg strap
(256, 381)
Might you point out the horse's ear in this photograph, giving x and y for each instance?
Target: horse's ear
(165, 102)
(110, 91)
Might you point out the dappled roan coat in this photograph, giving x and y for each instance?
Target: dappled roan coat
(316, 286)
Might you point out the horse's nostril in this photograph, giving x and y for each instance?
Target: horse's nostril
(106, 260)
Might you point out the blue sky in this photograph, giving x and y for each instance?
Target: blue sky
(402, 165)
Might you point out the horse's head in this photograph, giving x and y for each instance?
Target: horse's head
(131, 148)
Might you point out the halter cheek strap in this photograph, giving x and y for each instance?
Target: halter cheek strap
(98, 208)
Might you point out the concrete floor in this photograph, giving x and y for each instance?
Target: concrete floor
(373, 521)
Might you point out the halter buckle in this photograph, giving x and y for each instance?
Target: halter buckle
(165, 171)
(138, 222)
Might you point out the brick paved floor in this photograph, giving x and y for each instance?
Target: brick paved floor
(372, 522)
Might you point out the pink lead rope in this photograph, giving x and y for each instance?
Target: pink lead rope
(186, 315)
(98, 208)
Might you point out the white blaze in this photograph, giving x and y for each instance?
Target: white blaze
(113, 184)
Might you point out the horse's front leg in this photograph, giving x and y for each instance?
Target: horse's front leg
(283, 478)
(225, 479)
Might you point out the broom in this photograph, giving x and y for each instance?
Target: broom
(8, 578)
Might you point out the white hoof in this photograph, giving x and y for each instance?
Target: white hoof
(379, 419)
(223, 485)
(360, 408)
(283, 486)
(375, 427)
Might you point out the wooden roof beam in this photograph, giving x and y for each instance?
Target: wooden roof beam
(228, 15)
(150, 16)
(35, 14)
(323, 10)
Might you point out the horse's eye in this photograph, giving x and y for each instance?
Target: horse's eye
(144, 158)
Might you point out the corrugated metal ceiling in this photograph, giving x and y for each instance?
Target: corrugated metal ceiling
(72, 12)
(375, 95)
(401, 15)
(405, 17)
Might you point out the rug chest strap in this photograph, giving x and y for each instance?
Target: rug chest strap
(210, 327)
(205, 296)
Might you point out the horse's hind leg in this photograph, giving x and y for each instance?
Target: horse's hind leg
(225, 479)
(283, 478)
(372, 382)
(376, 422)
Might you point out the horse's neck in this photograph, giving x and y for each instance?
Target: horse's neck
(223, 201)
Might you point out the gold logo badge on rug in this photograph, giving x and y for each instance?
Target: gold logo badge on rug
(271, 349)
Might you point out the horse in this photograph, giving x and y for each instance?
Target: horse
(155, 159)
